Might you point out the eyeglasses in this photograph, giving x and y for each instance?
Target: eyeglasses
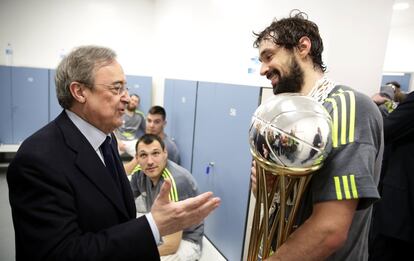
(116, 88)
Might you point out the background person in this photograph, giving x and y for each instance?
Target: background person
(69, 195)
(154, 167)
(133, 127)
(385, 100)
(156, 121)
(399, 96)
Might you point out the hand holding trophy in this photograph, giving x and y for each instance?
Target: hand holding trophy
(290, 137)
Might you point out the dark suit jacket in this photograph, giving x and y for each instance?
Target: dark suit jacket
(394, 213)
(65, 204)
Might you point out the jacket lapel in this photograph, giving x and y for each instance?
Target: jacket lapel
(91, 165)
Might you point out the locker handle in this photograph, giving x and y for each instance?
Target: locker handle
(209, 166)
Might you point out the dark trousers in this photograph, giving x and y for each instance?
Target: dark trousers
(384, 248)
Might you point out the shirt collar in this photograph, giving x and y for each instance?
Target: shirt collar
(95, 136)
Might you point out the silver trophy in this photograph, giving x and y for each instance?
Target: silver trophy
(290, 137)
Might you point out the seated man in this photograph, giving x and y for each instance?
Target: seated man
(155, 124)
(156, 121)
(133, 127)
(147, 179)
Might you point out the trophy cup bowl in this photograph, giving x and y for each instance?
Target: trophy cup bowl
(292, 132)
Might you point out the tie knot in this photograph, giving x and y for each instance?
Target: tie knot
(107, 141)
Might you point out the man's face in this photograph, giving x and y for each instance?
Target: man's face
(133, 103)
(280, 67)
(155, 124)
(103, 107)
(152, 159)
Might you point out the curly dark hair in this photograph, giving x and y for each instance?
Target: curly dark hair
(288, 31)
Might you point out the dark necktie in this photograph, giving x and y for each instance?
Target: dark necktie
(110, 159)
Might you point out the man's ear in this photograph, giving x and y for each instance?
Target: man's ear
(304, 46)
(77, 91)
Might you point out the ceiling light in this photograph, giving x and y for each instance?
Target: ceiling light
(401, 6)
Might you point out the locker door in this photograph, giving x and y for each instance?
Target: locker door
(30, 101)
(180, 105)
(141, 85)
(6, 129)
(221, 159)
(54, 108)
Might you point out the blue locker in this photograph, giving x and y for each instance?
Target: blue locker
(222, 160)
(141, 85)
(6, 126)
(54, 108)
(29, 101)
(180, 104)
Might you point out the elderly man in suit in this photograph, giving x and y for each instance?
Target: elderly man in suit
(69, 193)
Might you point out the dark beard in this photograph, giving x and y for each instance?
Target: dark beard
(292, 82)
(131, 109)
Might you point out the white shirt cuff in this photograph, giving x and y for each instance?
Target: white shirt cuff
(154, 229)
